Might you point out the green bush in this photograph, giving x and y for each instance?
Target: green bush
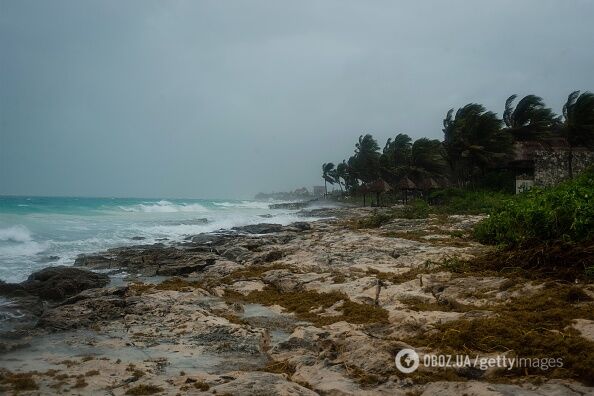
(462, 201)
(561, 213)
(374, 220)
(415, 209)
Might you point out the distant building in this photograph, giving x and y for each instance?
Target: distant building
(546, 162)
(319, 191)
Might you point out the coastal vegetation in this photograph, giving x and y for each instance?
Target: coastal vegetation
(475, 151)
(561, 213)
(308, 304)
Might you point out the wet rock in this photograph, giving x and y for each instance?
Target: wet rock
(237, 253)
(290, 205)
(58, 283)
(262, 228)
(271, 256)
(185, 268)
(261, 383)
(18, 314)
(209, 239)
(47, 259)
(83, 313)
(301, 225)
(12, 289)
(151, 260)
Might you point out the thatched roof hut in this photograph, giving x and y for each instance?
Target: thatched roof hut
(406, 184)
(378, 186)
(428, 183)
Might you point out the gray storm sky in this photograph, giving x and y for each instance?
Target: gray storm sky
(227, 98)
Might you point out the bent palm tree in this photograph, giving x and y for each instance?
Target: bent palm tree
(530, 119)
(327, 170)
(578, 126)
(473, 141)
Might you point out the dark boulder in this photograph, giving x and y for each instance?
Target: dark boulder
(58, 283)
(272, 256)
(262, 228)
(18, 315)
(184, 268)
(12, 289)
(209, 239)
(300, 226)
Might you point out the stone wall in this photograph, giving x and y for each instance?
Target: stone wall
(552, 167)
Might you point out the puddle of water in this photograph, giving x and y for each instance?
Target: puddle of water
(258, 310)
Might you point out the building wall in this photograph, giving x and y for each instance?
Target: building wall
(552, 167)
(318, 191)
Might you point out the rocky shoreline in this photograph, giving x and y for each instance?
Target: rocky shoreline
(310, 308)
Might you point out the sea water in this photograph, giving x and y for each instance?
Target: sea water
(37, 232)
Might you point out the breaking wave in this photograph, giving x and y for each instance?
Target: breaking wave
(17, 233)
(164, 207)
(243, 205)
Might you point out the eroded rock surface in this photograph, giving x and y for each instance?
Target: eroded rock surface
(305, 309)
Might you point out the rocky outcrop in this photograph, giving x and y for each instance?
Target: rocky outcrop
(291, 311)
(26, 302)
(262, 228)
(58, 283)
(150, 260)
(85, 309)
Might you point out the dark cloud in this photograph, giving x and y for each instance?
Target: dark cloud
(223, 99)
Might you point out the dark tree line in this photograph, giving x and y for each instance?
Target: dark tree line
(475, 142)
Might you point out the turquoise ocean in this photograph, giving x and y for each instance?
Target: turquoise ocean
(37, 232)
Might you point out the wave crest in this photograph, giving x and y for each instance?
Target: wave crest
(165, 207)
(243, 204)
(17, 233)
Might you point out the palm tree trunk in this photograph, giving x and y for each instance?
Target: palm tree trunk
(325, 188)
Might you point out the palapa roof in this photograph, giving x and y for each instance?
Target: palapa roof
(429, 183)
(406, 184)
(379, 185)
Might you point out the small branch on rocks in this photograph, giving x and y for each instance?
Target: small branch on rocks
(378, 288)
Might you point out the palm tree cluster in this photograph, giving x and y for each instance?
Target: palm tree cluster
(475, 142)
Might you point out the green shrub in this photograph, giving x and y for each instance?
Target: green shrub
(375, 220)
(415, 209)
(462, 201)
(561, 213)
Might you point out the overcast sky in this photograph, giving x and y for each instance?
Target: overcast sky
(227, 98)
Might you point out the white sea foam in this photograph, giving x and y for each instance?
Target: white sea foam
(22, 249)
(17, 233)
(243, 204)
(38, 240)
(164, 207)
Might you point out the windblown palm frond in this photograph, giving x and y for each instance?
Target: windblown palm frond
(530, 119)
(578, 126)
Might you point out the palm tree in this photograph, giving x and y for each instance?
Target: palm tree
(427, 155)
(395, 158)
(530, 119)
(327, 170)
(473, 141)
(366, 159)
(578, 125)
(341, 172)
